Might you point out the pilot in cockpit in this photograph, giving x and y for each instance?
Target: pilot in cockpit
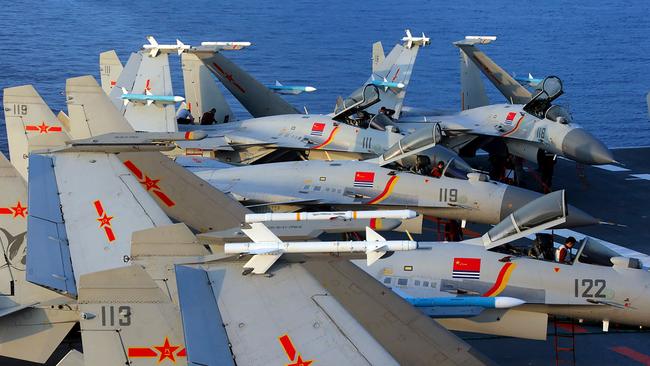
(563, 253)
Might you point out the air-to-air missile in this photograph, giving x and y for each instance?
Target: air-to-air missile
(290, 89)
(149, 98)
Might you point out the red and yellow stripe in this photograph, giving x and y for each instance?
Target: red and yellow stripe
(502, 280)
(388, 189)
(329, 140)
(514, 129)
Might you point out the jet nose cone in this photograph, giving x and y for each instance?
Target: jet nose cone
(515, 198)
(583, 147)
(576, 217)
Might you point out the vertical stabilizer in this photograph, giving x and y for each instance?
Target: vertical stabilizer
(110, 68)
(202, 92)
(128, 320)
(509, 87)
(258, 100)
(378, 56)
(91, 111)
(31, 125)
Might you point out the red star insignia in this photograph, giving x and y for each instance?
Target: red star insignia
(229, 77)
(150, 184)
(300, 362)
(42, 128)
(105, 220)
(19, 210)
(166, 351)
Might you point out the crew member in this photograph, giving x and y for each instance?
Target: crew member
(387, 112)
(208, 117)
(563, 253)
(422, 163)
(546, 165)
(438, 170)
(184, 117)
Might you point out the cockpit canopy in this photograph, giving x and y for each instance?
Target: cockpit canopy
(559, 114)
(549, 90)
(356, 103)
(422, 137)
(543, 210)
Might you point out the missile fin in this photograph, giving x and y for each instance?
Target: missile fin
(259, 264)
(258, 232)
(372, 256)
(372, 235)
(152, 40)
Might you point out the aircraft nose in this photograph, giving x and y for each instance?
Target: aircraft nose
(583, 147)
(515, 198)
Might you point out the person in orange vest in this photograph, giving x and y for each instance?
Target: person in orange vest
(563, 253)
(438, 170)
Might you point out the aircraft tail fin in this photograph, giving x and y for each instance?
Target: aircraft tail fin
(509, 87)
(378, 56)
(472, 94)
(110, 68)
(201, 90)
(116, 306)
(31, 125)
(258, 100)
(392, 75)
(151, 76)
(91, 111)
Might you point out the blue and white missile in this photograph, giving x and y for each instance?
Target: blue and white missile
(387, 84)
(290, 89)
(530, 80)
(149, 98)
(498, 302)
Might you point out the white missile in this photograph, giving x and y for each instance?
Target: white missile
(155, 48)
(332, 215)
(338, 247)
(230, 46)
(267, 248)
(415, 41)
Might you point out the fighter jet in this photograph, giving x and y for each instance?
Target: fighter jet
(347, 184)
(598, 284)
(195, 312)
(470, 196)
(527, 125)
(311, 136)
